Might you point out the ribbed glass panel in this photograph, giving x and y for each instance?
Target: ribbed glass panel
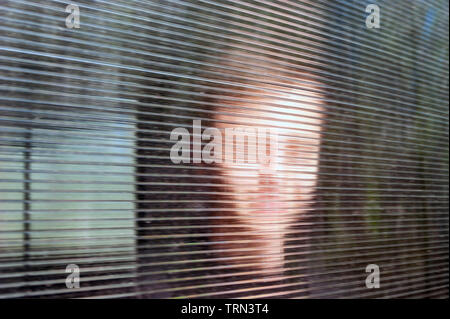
(90, 116)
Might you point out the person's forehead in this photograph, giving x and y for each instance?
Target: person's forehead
(269, 109)
(282, 123)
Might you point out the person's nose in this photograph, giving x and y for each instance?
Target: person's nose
(268, 182)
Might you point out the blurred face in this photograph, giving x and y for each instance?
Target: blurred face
(270, 195)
